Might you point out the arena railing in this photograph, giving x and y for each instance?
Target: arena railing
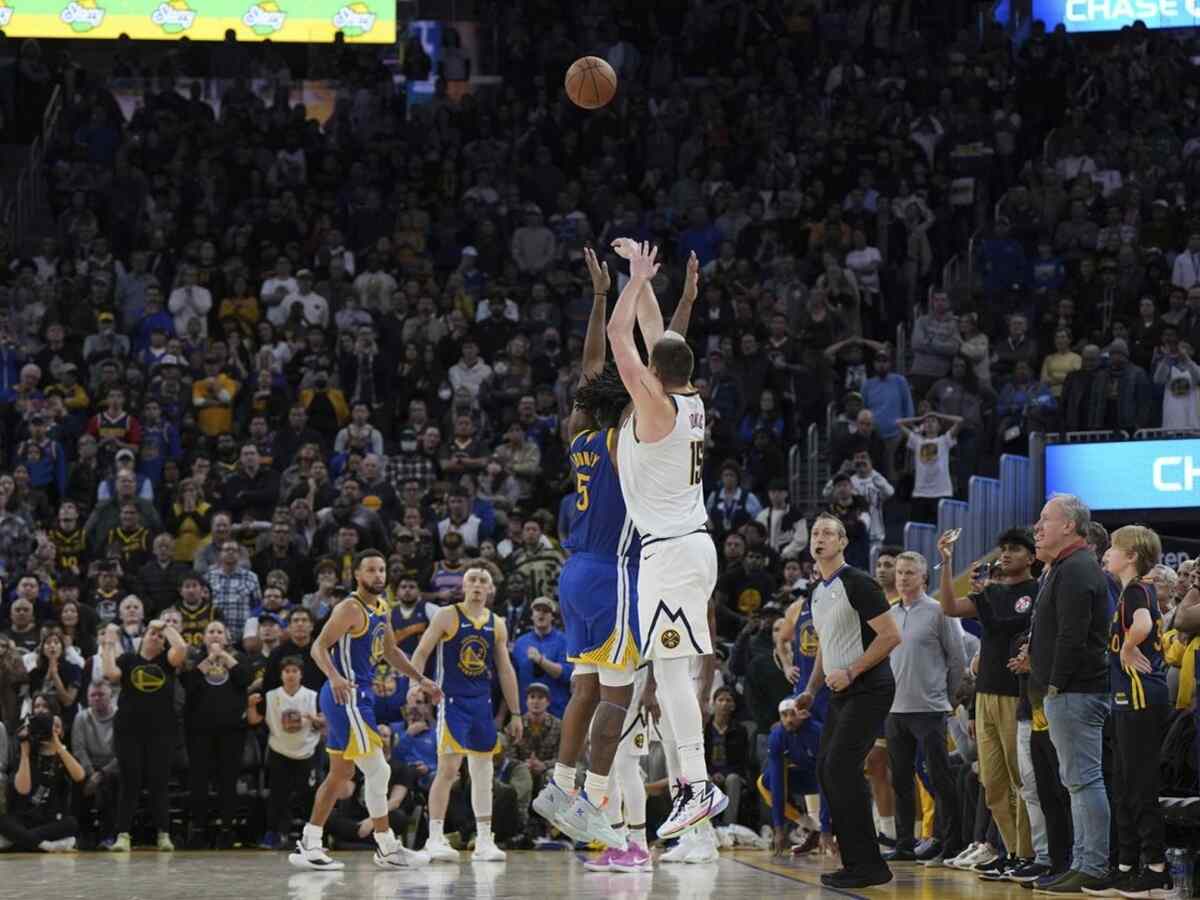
(1156, 434)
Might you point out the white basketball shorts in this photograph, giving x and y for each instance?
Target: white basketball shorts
(676, 579)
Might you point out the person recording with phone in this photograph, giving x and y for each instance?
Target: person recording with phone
(1002, 601)
(42, 819)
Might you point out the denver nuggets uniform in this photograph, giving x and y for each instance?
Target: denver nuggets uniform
(804, 657)
(353, 733)
(466, 663)
(598, 585)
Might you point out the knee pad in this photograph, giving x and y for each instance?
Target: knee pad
(376, 775)
(482, 772)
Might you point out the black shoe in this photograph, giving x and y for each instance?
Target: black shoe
(900, 855)
(884, 840)
(1147, 883)
(932, 851)
(1029, 872)
(857, 878)
(997, 866)
(197, 839)
(1045, 880)
(225, 840)
(1110, 885)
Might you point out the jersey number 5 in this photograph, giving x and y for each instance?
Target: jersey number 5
(581, 488)
(697, 462)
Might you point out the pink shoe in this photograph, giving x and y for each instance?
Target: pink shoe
(632, 859)
(603, 863)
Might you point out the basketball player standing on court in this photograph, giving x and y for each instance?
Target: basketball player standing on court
(471, 643)
(356, 639)
(855, 634)
(660, 455)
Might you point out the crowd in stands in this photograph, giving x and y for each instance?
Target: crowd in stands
(254, 345)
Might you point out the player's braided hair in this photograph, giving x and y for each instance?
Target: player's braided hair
(603, 395)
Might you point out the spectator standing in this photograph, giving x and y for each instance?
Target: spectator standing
(540, 655)
(931, 454)
(929, 666)
(1140, 703)
(146, 729)
(856, 634)
(1180, 375)
(889, 398)
(92, 744)
(935, 341)
(294, 725)
(1003, 605)
(1068, 668)
(785, 526)
(235, 589)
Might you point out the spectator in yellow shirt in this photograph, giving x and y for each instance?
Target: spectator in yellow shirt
(212, 397)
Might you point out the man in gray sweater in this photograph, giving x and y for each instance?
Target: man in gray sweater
(929, 665)
(92, 745)
(935, 343)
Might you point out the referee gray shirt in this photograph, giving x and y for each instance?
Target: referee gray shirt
(842, 607)
(930, 661)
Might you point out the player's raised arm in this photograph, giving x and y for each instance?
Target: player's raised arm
(649, 315)
(654, 411)
(691, 287)
(344, 617)
(593, 342)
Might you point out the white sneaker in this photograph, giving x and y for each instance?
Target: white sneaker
(704, 846)
(954, 861)
(487, 851)
(679, 853)
(401, 858)
(63, 845)
(440, 851)
(316, 858)
(983, 857)
(694, 804)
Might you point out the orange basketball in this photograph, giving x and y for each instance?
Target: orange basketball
(590, 82)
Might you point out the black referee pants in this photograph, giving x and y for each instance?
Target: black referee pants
(852, 723)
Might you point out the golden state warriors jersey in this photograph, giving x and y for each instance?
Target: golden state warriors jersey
(358, 652)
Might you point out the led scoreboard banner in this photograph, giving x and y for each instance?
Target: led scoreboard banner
(316, 21)
(1113, 15)
(1143, 476)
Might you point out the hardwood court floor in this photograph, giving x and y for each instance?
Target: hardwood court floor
(545, 875)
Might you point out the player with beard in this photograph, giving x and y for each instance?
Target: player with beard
(355, 639)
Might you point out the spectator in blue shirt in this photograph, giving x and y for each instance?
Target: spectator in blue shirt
(701, 237)
(1004, 262)
(889, 398)
(791, 771)
(45, 459)
(416, 741)
(541, 655)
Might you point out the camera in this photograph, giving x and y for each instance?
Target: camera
(39, 728)
(986, 570)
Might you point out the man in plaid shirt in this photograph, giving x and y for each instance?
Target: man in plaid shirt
(235, 591)
(534, 755)
(410, 464)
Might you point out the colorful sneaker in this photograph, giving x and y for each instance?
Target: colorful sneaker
(585, 822)
(632, 859)
(1148, 883)
(603, 862)
(552, 801)
(316, 858)
(694, 804)
(441, 851)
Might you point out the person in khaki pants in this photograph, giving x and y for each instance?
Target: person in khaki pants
(1003, 604)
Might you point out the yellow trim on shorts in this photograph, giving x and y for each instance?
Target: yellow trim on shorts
(600, 656)
(448, 745)
(353, 750)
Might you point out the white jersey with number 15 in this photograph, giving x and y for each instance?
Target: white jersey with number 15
(662, 482)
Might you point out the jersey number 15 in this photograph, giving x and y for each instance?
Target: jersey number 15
(697, 463)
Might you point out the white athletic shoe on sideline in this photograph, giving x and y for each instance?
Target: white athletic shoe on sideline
(487, 851)
(440, 851)
(953, 862)
(679, 853)
(694, 804)
(704, 846)
(313, 858)
(401, 858)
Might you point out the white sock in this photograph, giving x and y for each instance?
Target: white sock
(564, 777)
(386, 841)
(435, 830)
(596, 788)
(638, 836)
(887, 825)
(313, 835)
(483, 833)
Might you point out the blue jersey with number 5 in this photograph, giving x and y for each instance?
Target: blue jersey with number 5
(602, 525)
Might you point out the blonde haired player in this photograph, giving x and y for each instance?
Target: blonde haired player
(471, 643)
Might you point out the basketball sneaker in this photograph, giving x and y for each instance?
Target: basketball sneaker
(315, 857)
(401, 858)
(586, 823)
(704, 845)
(632, 859)
(695, 803)
(551, 802)
(487, 851)
(603, 862)
(679, 853)
(441, 851)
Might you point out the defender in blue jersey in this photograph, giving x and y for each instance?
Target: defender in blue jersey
(470, 644)
(355, 640)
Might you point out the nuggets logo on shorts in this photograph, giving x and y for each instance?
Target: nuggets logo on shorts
(670, 638)
(472, 656)
(809, 643)
(639, 741)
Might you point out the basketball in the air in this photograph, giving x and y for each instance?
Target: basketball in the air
(590, 82)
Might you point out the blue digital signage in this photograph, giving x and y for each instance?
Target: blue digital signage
(1133, 475)
(1112, 15)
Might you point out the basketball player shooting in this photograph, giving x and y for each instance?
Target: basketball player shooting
(660, 456)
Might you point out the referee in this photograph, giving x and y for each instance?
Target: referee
(855, 633)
